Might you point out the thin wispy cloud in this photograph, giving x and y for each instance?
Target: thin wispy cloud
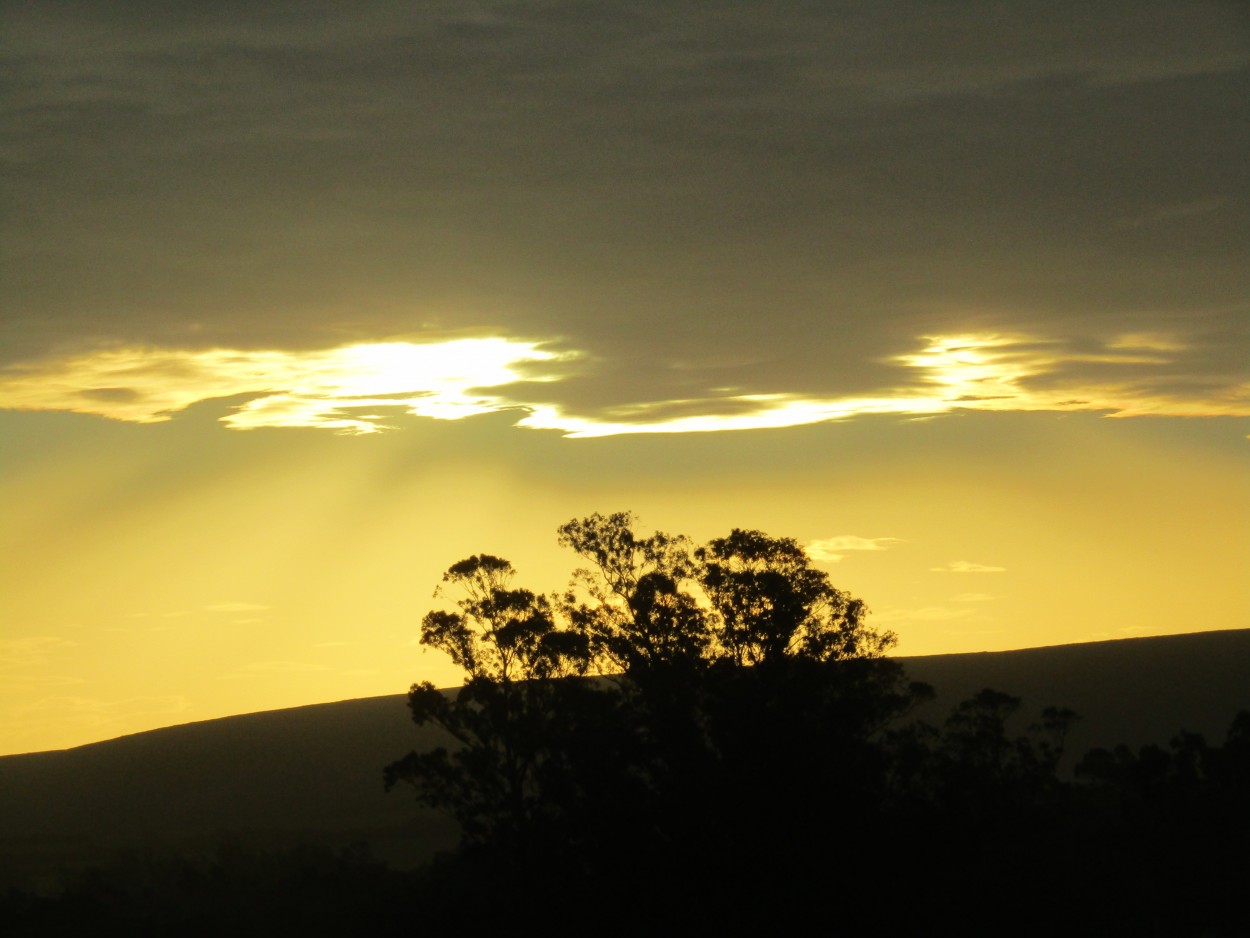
(33, 650)
(832, 549)
(235, 607)
(44, 721)
(277, 667)
(95, 712)
(1174, 211)
(892, 616)
(966, 566)
(240, 613)
(21, 683)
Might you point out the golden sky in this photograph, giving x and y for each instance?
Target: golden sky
(300, 307)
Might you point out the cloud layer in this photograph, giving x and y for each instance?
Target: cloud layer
(749, 217)
(357, 388)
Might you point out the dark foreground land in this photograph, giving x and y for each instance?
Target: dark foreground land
(277, 823)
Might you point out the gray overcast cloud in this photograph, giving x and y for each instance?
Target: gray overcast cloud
(704, 200)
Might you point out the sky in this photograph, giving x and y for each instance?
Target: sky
(301, 303)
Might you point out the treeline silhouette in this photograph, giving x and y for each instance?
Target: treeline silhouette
(711, 738)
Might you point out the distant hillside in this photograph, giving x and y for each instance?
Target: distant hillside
(1133, 691)
(314, 774)
(266, 780)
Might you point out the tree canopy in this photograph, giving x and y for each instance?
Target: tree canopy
(633, 705)
(717, 729)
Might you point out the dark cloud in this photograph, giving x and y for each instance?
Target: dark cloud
(771, 199)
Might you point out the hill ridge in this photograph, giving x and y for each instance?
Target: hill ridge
(313, 773)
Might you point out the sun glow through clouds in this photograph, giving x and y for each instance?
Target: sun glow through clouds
(337, 389)
(351, 389)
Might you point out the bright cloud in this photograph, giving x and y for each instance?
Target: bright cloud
(1127, 377)
(333, 389)
(969, 372)
(964, 566)
(351, 388)
(832, 549)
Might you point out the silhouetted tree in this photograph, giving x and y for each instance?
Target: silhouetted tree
(1167, 828)
(771, 603)
(715, 731)
(634, 603)
(730, 667)
(513, 654)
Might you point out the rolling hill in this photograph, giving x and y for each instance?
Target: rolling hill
(313, 775)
